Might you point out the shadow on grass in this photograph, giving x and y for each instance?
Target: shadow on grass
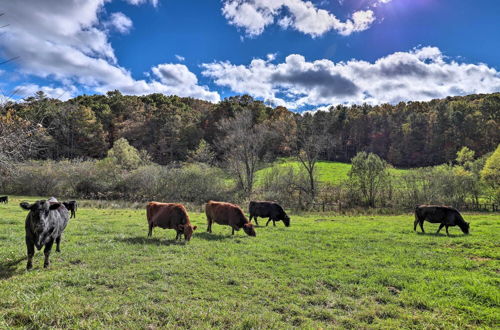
(440, 234)
(9, 269)
(150, 241)
(212, 237)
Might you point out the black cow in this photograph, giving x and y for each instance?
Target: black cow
(270, 210)
(4, 199)
(72, 206)
(44, 224)
(445, 215)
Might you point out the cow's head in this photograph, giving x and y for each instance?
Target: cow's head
(38, 219)
(286, 220)
(187, 230)
(248, 229)
(465, 227)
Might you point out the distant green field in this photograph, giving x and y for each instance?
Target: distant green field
(325, 271)
(328, 172)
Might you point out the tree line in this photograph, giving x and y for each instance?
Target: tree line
(171, 128)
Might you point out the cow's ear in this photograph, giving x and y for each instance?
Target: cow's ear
(26, 206)
(54, 206)
(194, 228)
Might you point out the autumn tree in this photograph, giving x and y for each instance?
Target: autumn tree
(368, 174)
(242, 144)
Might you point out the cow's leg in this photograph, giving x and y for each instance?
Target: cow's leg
(233, 231)
(274, 223)
(268, 221)
(58, 244)
(440, 227)
(31, 252)
(415, 223)
(150, 233)
(447, 233)
(256, 222)
(209, 226)
(421, 223)
(46, 252)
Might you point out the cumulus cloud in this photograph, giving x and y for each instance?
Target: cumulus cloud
(255, 15)
(66, 41)
(61, 93)
(140, 2)
(120, 22)
(420, 74)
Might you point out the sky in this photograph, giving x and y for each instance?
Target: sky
(304, 55)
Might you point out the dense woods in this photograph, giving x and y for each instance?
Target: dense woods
(170, 128)
(170, 148)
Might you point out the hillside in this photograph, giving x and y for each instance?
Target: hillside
(328, 172)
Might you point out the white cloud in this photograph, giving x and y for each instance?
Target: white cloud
(65, 41)
(61, 93)
(141, 2)
(180, 58)
(255, 15)
(421, 74)
(120, 22)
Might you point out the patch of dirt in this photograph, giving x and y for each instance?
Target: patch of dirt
(475, 258)
(323, 220)
(393, 290)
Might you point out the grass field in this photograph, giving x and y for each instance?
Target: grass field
(325, 271)
(328, 172)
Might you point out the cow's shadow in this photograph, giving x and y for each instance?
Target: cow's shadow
(213, 237)
(139, 240)
(438, 235)
(9, 269)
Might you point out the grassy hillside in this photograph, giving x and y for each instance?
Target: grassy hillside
(330, 172)
(323, 271)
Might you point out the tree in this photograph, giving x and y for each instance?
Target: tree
(202, 154)
(19, 140)
(465, 158)
(491, 172)
(125, 155)
(368, 174)
(310, 144)
(242, 146)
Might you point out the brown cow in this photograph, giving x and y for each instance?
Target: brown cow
(228, 214)
(169, 216)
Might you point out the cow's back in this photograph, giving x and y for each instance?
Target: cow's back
(225, 213)
(166, 215)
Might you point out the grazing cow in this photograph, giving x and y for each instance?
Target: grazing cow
(229, 215)
(445, 215)
(4, 199)
(270, 210)
(72, 206)
(169, 216)
(44, 224)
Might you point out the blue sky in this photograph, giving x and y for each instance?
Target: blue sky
(303, 55)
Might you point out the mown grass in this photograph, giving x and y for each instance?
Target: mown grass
(325, 271)
(328, 172)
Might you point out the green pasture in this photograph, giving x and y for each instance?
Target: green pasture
(325, 271)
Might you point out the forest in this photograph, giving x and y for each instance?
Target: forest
(98, 137)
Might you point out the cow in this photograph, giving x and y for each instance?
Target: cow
(4, 199)
(445, 215)
(169, 216)
(44, 224)
(228, 214)
(72, 206)
(270, 210)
